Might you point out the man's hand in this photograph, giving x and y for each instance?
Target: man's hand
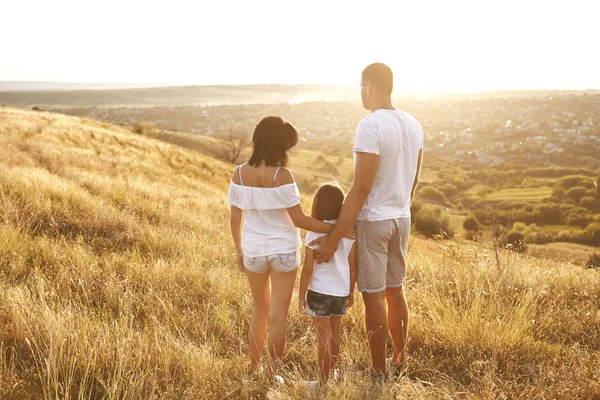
(239, 259)
(327, 247)
(301, 306)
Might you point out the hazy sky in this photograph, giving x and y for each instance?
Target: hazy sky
(431, 45)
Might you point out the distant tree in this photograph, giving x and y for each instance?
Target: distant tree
(576, 193)
(570, 181)
(36, 108)
(145, 128)
(449, 190)
(592, 234)
(432, 194)
(516, 240)
(471, 224)
(431, 223)
(234, 146)
(590, 203)
(593, 261)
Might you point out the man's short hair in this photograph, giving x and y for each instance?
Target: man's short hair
(380, 76)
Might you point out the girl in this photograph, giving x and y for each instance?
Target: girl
(264, 194)
(331, 289)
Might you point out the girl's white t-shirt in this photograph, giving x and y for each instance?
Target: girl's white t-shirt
(332, 278)
(268, 228)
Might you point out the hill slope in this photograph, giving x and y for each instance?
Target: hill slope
(117, 281)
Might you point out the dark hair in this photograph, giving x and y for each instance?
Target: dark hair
(272, 139)
(327, 203)
(380, 76)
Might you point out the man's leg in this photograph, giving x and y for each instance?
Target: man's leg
(377, 329)
(397, 322)
(394, 293)
(372, 259)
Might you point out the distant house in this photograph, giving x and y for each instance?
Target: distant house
(553, 148)
(490, 160)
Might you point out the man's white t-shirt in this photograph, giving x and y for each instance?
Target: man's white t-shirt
(396, 137)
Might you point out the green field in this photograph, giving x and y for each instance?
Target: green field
(521, 194)
(571, 252)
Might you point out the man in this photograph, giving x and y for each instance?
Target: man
(388, 151)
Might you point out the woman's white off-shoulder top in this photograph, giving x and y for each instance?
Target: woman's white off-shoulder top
(268, 229)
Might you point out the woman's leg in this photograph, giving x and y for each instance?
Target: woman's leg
(336, 322)
(323, 325)
(282, 285)
(259, 284)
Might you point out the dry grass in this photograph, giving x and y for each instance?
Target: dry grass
(117, 281)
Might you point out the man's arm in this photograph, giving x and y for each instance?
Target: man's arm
(352, 263)
(365, 170)
(417, 175)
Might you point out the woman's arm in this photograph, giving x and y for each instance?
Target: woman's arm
(307, 270)
(296, 213)
(352, 262)
(236, 228)
(305, 222)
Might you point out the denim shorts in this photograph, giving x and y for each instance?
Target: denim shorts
(325, 305)
(284, 262)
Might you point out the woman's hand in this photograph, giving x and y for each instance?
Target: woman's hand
(351, 300)
(301, 306)
(239, 258)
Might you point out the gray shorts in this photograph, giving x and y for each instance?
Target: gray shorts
(284, 262)
(381, 253)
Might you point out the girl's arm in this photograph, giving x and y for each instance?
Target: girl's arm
(352, 262)
(307, 271)
(236, 228)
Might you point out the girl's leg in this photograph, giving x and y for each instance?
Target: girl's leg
(336, 322)
(282, 285)
(323, 326)
(259, 284)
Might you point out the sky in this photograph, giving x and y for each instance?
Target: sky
(432, 46)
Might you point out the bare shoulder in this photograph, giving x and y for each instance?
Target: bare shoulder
(284, 177)
(236, 175)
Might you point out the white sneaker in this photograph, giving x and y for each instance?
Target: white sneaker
(337, 376)
(279, 380)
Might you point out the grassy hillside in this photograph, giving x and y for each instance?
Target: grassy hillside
(117, 281)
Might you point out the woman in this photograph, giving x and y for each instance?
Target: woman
(263, 192)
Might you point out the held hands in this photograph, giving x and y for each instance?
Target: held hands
(301, 306)
(350, 300)
(239, 259)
